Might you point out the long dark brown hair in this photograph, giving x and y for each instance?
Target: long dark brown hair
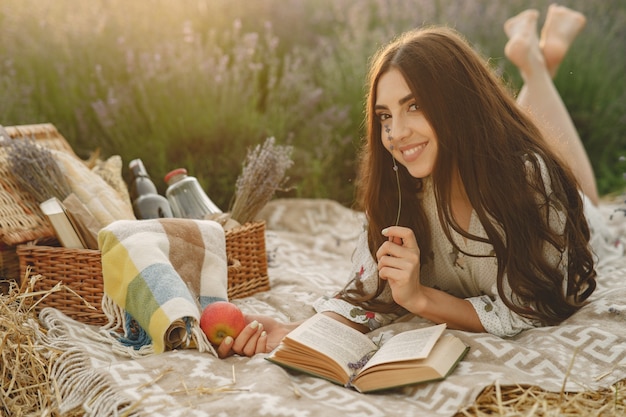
(487, 140)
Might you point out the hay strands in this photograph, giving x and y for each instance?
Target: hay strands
(26, 385)
(530, 400)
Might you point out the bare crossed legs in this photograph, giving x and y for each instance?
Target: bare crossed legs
(538, 60)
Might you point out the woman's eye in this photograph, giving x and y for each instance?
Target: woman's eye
(414, 107)
(383, 116)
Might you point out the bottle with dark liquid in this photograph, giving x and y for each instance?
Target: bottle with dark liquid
(147, 202)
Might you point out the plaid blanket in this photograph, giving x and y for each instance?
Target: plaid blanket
(158, 276)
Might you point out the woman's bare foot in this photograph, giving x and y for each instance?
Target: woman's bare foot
(522, 49)
(561, 27)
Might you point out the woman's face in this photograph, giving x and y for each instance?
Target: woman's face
(405, 132)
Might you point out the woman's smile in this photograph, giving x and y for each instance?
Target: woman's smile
(411, 152)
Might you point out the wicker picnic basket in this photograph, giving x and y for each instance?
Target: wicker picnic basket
(9, 266)
(80, 270)
(21, 220)
(27, 236)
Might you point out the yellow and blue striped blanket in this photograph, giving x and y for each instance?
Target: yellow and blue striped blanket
(160, 274)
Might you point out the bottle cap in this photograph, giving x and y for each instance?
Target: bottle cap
(137, 168)
(175, 172)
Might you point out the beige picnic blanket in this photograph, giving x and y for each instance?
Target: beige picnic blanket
(309, 244)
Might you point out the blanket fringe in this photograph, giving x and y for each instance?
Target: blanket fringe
(76, 384)
(201, 340)
(118, 323)
(116, 328)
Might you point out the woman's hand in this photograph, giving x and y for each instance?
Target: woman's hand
(261, 335)
(399, 264)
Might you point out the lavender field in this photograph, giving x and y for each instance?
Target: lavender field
(196, 83)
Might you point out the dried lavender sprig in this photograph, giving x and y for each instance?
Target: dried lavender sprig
(263, 173)
(35, 170)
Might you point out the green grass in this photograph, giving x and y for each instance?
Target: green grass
(195, 84)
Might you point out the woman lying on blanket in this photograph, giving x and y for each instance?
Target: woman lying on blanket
(477, 206)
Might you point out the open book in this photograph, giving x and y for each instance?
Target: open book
(326, 348)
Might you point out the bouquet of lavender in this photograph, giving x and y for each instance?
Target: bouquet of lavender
(262, 175)
(35, 170)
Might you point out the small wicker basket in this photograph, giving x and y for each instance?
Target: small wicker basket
(247, 260)
(81, 271)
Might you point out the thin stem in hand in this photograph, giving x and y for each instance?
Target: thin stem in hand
(395, 168)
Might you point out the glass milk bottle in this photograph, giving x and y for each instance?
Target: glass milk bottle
(186, 197)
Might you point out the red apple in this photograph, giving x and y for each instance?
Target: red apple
(221, 319)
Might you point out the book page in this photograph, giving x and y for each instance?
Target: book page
(441, 361)
(412, 344)
(334, 339)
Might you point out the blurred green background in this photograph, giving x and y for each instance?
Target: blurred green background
(196, 83)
